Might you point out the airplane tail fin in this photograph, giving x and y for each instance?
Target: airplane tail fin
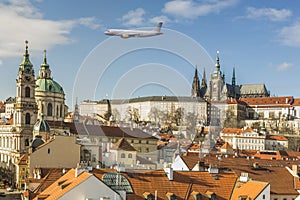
(158, 27)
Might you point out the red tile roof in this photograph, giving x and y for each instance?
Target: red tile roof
(272, 171)
(62, 185)
(182, 185)
(284, 101)
(276, 137)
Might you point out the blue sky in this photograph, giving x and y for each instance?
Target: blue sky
(259, 38)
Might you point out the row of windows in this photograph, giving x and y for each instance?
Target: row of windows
(59, 110)
(124, 156)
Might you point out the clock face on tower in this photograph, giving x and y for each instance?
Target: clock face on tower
(27, 78)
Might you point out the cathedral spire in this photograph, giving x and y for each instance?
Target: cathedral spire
(26, 65)
(203, 82)
(217, 72)
(45, 71)
(233, 77)
(196, 85)
(45, 64)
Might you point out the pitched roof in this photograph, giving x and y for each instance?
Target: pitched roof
(182, 185)
(22, 160)
(110, 131)
(253, 89)
(250, 189)
(237, 131)
(272, 171)
(227, 146)
(63, 185)
(276, 137)
(122, 144)
(269, 101)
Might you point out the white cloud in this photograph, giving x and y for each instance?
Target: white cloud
(20, 21)
(289, 35)
(1, 62)
(192, 9)
(284, 66)
(134, 17)
(268, 13)
(161, 18)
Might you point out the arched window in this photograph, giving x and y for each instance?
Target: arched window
(49, 109)
(130, 155)
(56, 111)
(60, 112)
(27, 118)
(27, 91)
(42, 105)
(122, 155)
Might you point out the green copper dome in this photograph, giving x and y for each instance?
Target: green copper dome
(41, 126)
(48, 85)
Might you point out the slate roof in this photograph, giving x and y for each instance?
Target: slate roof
(253, 89)
(111, 131)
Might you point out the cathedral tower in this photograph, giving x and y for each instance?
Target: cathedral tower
(50, 96)
(25, 106)
(217, 82)
(196, 85)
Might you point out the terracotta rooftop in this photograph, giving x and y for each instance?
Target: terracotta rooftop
(272, 171)
(250, 189)
(182, 185)
(276, 137)
(62, 185)
(227, 146)
(48, 176)
(269, 101)
(236, 130)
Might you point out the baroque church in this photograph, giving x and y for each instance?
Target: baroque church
(39, 100)
(218, 90)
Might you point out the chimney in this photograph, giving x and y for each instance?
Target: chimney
(213, 169)
(78, 170)
(169, 172)
(295, 169)
(244, 177)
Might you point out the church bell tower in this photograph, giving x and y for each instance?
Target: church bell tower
(25, 106)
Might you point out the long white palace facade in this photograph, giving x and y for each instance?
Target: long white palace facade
(210, 102)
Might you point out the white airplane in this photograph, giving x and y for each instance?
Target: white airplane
(123, 33)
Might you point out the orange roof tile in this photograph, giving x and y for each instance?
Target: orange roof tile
(284, 101)
(183, 183)
(276, 137)
(272, 171)
(64, 184)
(232, 130)
(227, 146)
(250, 189)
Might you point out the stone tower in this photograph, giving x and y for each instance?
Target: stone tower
(25, 106)
(217, 82)
(196, 85)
